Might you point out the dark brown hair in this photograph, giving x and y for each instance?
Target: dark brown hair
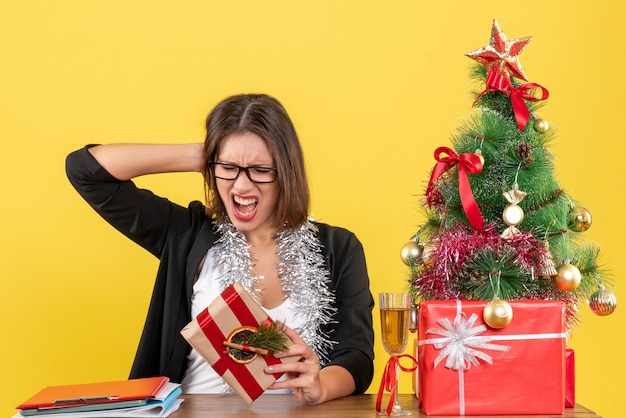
(264, 116)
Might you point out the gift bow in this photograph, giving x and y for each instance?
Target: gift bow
(461, 343)
(497, 81)
(467, 163)
(389, 381)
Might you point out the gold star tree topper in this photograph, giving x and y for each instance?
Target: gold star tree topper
(501, 53)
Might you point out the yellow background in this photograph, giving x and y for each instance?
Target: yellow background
(373, 87)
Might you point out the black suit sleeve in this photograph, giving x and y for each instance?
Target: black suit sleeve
(352, 329)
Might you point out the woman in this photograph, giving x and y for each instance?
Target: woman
(254, 229)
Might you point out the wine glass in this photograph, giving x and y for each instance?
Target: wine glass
(395, 311)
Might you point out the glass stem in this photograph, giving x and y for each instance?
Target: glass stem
(396, 403)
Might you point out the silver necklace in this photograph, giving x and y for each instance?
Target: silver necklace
(302, 275)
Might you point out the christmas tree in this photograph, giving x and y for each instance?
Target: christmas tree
(498, 224)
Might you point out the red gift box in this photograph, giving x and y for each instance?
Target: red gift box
(468, 368)
(231, 311)
(570, 381)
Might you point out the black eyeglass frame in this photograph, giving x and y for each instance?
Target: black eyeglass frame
(239, 168)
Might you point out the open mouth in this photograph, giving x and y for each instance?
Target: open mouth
(244, 207)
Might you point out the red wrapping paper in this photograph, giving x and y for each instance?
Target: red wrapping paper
(415, 374)
(233, 309)
(570, 380)
(528, 378)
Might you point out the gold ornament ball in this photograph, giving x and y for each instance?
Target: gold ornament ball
(567, 277)
(498, 313)
(579, 219)
(480, 155)
(541, 125)
(603, 302)
(411, 252)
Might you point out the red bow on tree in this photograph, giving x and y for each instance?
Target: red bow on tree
(467, 163)
(496, 81)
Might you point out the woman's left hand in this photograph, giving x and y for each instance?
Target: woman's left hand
(302, 377)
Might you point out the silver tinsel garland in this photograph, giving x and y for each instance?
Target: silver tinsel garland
(301, 270)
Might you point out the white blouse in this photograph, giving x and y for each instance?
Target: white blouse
(200, 376)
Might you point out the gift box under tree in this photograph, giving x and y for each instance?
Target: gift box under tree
(469, 368)
(570, 376)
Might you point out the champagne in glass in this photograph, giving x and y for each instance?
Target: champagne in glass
(395, 314)
(394, 325)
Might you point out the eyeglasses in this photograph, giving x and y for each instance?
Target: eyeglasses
(256, 174)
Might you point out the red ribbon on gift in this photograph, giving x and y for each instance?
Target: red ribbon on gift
(389, 381)
(467, 163)
(216, 338)
(497, 81)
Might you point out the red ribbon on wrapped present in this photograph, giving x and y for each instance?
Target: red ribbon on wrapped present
(389, 381)
(467, 163)
(497, 81)
(232, 310)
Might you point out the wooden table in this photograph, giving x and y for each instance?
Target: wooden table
(274, 406)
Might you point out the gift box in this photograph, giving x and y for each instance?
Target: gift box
(468, 368)
(234, 311)
(570, 380)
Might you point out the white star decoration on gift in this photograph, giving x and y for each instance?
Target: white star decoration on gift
(461, 344)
